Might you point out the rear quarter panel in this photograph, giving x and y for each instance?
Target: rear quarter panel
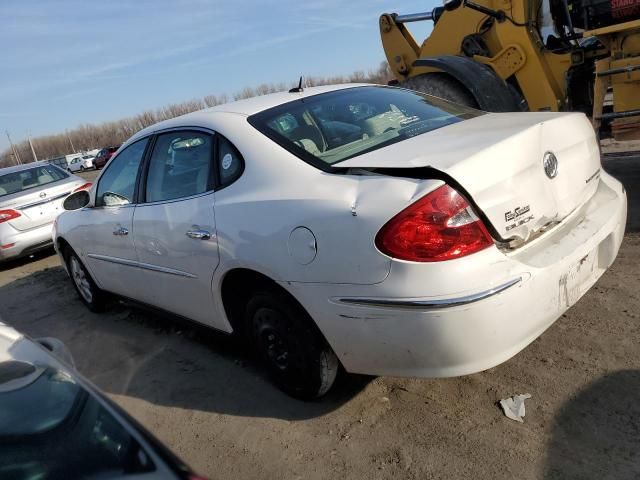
(279, 192)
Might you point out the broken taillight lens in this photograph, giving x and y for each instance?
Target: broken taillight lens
(440, 226)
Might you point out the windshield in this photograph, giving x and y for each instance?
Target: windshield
(51, 427)
(27, 179)
(332, 127)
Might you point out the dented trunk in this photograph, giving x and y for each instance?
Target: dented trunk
(523, 171)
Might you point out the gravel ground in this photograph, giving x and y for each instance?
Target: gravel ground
(197, 392)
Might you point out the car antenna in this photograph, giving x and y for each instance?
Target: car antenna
(299, 88)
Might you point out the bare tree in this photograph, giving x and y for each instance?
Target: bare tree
(89, 136)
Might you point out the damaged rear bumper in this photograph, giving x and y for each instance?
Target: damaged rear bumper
(374, 330)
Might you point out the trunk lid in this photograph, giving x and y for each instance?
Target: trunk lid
(498, 160)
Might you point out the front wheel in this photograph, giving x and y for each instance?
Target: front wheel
(287, 342)
(89, 293)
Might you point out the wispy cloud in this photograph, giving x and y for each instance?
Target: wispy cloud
(103, 59)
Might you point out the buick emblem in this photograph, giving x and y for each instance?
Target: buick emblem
(550, 164)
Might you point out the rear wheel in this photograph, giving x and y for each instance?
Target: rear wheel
(443, 86)
(89, 293)
(287, 342)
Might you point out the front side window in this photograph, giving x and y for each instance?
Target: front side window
(27, 179)
(118, 182)
(329, 128)
(180, 166)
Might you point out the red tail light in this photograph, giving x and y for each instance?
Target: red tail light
(6, 215)
(439, 226)
(86, 186)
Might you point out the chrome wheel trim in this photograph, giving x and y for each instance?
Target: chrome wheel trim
(80, 279)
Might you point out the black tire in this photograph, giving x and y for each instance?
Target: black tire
(441, 85)
(93, 297)
(289, 345)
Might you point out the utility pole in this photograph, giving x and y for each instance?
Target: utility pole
(13, 148)
(33, 150)
(73, 149)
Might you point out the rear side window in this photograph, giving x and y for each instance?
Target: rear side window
(329, 128)
(118, 182)
(32, 178)
(230, 162)
(180, 166)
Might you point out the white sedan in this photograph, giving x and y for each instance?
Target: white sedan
(81, 163)
(376, 228)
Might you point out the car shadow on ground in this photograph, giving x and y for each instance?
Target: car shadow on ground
(158, 358)
(26, 260)
(601, 423)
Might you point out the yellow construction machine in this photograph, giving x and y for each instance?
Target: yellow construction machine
(536, 55)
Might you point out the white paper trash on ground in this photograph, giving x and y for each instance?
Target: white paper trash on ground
(514, 406)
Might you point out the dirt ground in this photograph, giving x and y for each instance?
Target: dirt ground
(197, 392)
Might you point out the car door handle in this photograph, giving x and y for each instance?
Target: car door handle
(121, 231)
(199, 234)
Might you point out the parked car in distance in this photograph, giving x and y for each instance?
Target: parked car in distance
(80, 164)
(31, 197)
(54, 424)
(103, 156)
(386, 230)
(60, 162)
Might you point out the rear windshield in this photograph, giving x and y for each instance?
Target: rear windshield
(27, 179)
(332, 127)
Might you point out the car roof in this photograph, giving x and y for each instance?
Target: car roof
(20, 168)
(252, 105)
(246, 107)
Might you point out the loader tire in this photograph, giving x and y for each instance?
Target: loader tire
(441, 85)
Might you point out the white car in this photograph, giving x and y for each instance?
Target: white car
(55, 424)
(81, 163)
(388, 231)
(31, 197)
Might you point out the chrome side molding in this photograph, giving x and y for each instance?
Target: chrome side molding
(145, 266)
(429, 304)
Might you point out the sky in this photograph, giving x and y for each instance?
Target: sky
(69, 62)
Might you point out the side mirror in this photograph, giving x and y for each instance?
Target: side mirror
(450, 5)
(76, 200)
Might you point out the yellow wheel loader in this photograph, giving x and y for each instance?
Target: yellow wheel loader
(536, 55)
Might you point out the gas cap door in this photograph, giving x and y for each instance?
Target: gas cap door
(302, 245)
